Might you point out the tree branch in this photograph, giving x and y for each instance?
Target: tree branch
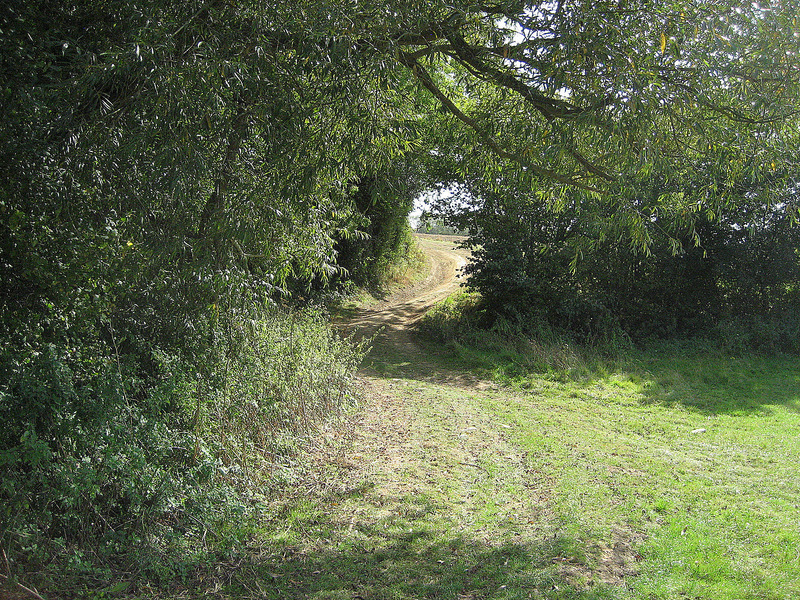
(727, 111)
(589, 166)
(424, 78)
(216, 200)
(32, 592)
(549, 107)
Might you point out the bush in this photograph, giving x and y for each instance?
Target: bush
(108, 466)
(731, 276)
(290, 372)
(453, 317)
(771, 334)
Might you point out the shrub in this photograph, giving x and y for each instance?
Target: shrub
(290, 372)
(770, 334)
(659, 273)
(106, 465)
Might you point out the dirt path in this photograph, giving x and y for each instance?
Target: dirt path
(402, 309)
(390, 323)
(426, 492)
(417, 434)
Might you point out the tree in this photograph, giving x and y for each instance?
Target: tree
(205, 125)
(610, 97)
(168, 169)
(736, 274)
(167, 163)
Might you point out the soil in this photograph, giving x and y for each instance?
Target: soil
(397, 313)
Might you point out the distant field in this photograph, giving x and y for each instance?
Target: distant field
(442, 238)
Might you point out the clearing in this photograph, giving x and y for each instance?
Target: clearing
(671, 479)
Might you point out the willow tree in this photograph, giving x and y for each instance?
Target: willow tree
(167, 163)
(224, 135)
(586, 137)
(168, 166)
(615, 98)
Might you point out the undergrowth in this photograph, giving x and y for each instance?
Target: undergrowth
(509, 351)
(405, 266)
(117, 478)
(512, 350)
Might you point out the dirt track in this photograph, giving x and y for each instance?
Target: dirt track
(402, 309)
(425, 430)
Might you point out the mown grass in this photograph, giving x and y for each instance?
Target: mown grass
(694, 450)
(473, 472)
(705, 468)
(684, 457)
(429, 508)
(670, 475)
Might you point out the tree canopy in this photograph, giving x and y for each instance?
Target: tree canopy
(169, 170)
(226, 119)
(162, 160)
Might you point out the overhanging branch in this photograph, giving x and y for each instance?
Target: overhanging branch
(425, 79)
(549, 107)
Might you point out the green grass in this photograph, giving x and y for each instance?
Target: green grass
(671, 475)
(567, 473)
(434, 526)
(533, 471)
(701, 457)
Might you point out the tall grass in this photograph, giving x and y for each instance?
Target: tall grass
(406, 263)
(291, 372)
(512, 350)
(508, 350)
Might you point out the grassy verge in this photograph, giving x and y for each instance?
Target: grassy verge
(127, 489)
(664, 474)
(702, 466)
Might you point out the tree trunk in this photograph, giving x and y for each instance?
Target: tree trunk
(216, 201)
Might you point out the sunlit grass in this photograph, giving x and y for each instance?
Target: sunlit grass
(540, 469)
(668, 476)
(700, 454)
(696, 455)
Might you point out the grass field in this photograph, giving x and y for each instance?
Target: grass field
(672, 475)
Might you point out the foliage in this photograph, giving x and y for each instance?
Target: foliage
(139, 472)
(669, 476)
(290, 373)
(169, 169)
(382, 203)
(559, 267)
(682, 172)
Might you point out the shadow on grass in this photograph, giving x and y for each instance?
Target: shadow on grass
(344, 313)
(722, 385)
(705, 382)
(418, 563)
(422, 361)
